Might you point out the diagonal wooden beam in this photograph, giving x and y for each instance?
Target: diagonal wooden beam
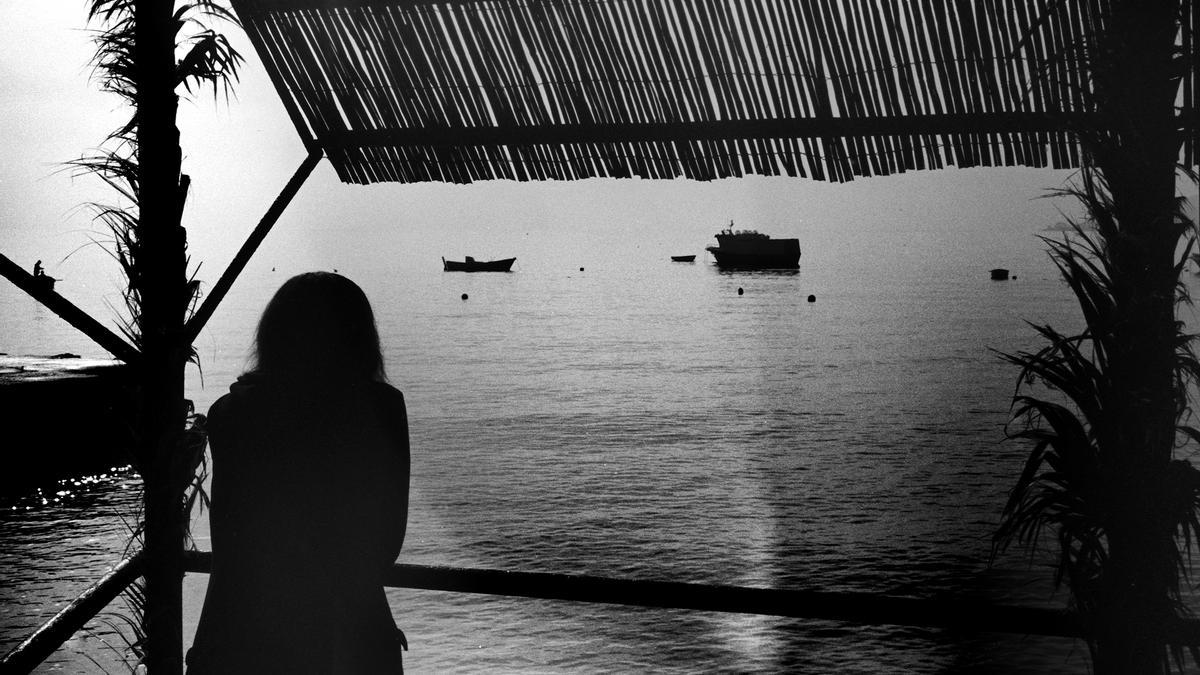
(65, 309)
(35, 649)
(202, 315)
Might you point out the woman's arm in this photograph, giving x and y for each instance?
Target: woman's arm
(398, 472)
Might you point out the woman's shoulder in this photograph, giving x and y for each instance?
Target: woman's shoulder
(235, 403)
(223, 409)
(389, 403)
(387, 394)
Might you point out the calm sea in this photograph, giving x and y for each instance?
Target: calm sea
(602, 410)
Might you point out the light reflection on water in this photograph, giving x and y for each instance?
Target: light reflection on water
(57, 541)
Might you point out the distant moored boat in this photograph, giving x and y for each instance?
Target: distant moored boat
(473, 265)
(683, 258)
(748, 248)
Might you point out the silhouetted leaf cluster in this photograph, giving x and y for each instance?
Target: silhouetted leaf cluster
(1065, 489)
(207, 60)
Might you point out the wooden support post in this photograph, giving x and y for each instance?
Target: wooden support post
(1134, 87)
(68, 311)
(196, 323)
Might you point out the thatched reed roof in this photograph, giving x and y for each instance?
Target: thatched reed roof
(466, 90)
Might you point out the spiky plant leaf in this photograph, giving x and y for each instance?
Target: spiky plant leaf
(1066, 484)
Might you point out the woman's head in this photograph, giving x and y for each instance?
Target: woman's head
(319, 326)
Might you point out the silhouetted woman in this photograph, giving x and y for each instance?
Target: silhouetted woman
(309, 495)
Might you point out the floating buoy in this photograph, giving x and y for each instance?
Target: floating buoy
(580, 269)
(464, 296)
(740, 291)
(812, 298)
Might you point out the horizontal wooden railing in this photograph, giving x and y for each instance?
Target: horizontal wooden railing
(856, 608)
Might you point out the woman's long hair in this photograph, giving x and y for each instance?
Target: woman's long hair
(318, 329)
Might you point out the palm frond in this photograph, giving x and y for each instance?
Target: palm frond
(1068, 481)
(210, 60)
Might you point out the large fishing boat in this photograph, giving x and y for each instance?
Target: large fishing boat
(748, 248)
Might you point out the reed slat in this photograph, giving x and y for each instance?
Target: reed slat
(320, 88)
(800, 70)
(346, 87)
(440, 51)
(488, 95)
(525, 22)
(776, 57)
(471, 89)
(410, 40)
(560, 57)
(438, 54)
(856, 101)
(740, 74)
(700, 44)
(601, 103)
(521, 78)
(674, 82)
(399, 65)
(662, 98)
(761, 40)
(822, 83)
(659, 97)
(614, 59)
(365, 32)
(370, 93)
(600, 100)
(287, 33)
